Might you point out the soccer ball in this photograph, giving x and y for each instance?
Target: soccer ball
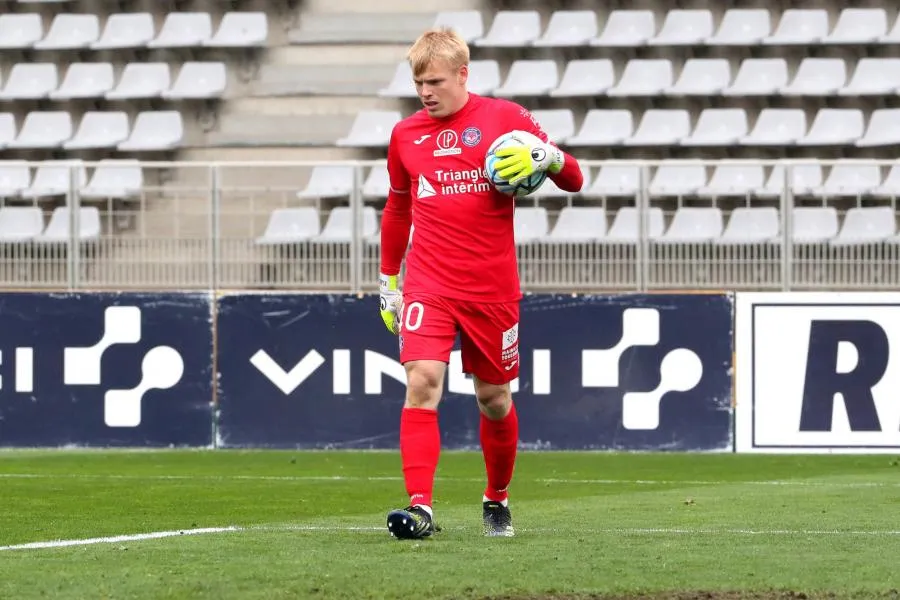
(526, 186)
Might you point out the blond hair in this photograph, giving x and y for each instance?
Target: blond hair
(440, 44)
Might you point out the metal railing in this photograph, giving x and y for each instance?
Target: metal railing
(192, 225)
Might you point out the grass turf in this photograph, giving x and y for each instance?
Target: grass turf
(312, 525)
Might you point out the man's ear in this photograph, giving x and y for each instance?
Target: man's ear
(462, 76)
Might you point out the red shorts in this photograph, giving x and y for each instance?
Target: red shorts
(489, 334)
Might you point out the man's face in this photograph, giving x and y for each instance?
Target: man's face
(442, 88)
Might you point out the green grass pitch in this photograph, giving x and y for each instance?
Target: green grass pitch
(311, 525)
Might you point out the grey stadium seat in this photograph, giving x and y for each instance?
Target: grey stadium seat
(569, 28)
(20, 223)
(142, 80)
(873, 77)
(371, 128)
(626, 29)
(530, 224)
(99, 130)
(693, 225)
(58, 229)
(776, 126)
(718, 127)
(814, 224)
(626, 225)
(126, 30)
(817, 77)
(198, 80)
(677, 179)
(557, 123)
(54, 178)
(30, 81)
(85, 80)
(240, 30)
(614, 181)
(578, 224)
(883, 128)
(702, 77)
(43, 129)
(20, 31)
(512, 29)
(529, 78)
(643, 77)
(114, 178)
(800, 26)
(183, 30)
(70, 31)
(733, 180)
(484, 76)
(401, 84)
(328, 181)
(339, 225)
(751, 225)
(858, 26)
(849, 179)
(585, 77)
(604, 127)
(834, 126)
(759, 77)
(890, 187)
(684, 27)
(377, 183)
(290, 226)
(742, 27)
(866, 225)
(155, 130)
(661, 127)
(804, 178)
(15, 176)
(469, 24)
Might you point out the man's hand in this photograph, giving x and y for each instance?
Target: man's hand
(518, 162)
(391, 299)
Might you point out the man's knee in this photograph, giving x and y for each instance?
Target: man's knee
(424, 380)
(493, 400)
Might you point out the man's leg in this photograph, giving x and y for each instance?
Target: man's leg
(499, 432)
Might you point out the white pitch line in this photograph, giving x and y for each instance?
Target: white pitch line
(135, 537)
(362, 478)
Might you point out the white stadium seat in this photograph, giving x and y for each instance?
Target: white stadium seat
(873, 77)
(804, 178)
(401, 84)
(892, 36)
(614, 181)
(890, 187)
(155, 130)
(55, 178)
(661, 127)
(126, 30)
(626, 225)
(142, 80)
(183, 30)
(742, 27)
(20, 223)
(114, 178)
(530, 224)
(643, 77)
(290, 226)
(512, 29)
(59, 228)
(339, 225)
(702, 77)
(776, 126)
(15, 176)
(866, 225)
(604, 127)
(371, 128)
(85, 80)
(240, 30)
(817, 77)
(377, 183)
(20, 31)
(328, 181)
(70, 31)
(834, 126)
(849, 179)
(484, 76)
(529, 78)
(883, 128)
(751, 225)
(693, 225)
(198, 80)
(800, 27)
(733, 180)
(814, 224)
(759, 77)
(684, 27)
(718, 127)
(578, 224)
(7, 128)
(585, 77)
(30, 81)
(469, 24)
(677, 180)
(557, 123)
(100, 130)
(43, 129)
(626, 28)
(569, 28)
(858, 26)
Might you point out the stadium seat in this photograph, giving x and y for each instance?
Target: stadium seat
(892, 36)
(240, 30)
(718, 127)
(776, 126)
(54, 178)
(339, 225)
(114, 178)
(742, 27)
(377, 183)
(569, 28)
(198, 80)
(814, 224)
(693, 225)
(328, 181)
(661, 127)
(484, 76)
(804, 178)
(858, 26)
(469, 24)
(614, 181)
(751, 225)
(817, 77)
(512, 29)
(873, 77)
(759, 77)
(530, 224)
(834, 126)
(643, 77)
(59, 227)
(849, 179)
(626, 225)
(684, 27)
(603, 127)
(7, 129)
(20, 223)
(733, 180)
(677, 180)
(85, 80)
(99, 130)
(30, 81)
(578, 224)
(183, 30)
(626, 28)
(70, 31)
(15, 176)
(799, 27)
(155, 130)
(371, 128)
(290, 226)
(142, 80)
(43, 129)
(586, 77)
(20, 31)
(401, 84)
(557, 123)
(126, 30)
(890, 187)
(866, 225)
(702, 77)
(529, 78)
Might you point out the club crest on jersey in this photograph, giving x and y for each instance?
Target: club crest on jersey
(471, 136)
(447, 143)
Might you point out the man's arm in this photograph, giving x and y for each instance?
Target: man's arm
(396, 219)
(568, 177)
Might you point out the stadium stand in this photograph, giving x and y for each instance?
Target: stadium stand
(141, 97)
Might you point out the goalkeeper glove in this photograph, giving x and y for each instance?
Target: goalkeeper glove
(390, 299)
(519, 162)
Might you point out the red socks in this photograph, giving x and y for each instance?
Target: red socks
(499, 440)
(420, 448)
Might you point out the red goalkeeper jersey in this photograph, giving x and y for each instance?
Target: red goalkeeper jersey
(463, 244)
